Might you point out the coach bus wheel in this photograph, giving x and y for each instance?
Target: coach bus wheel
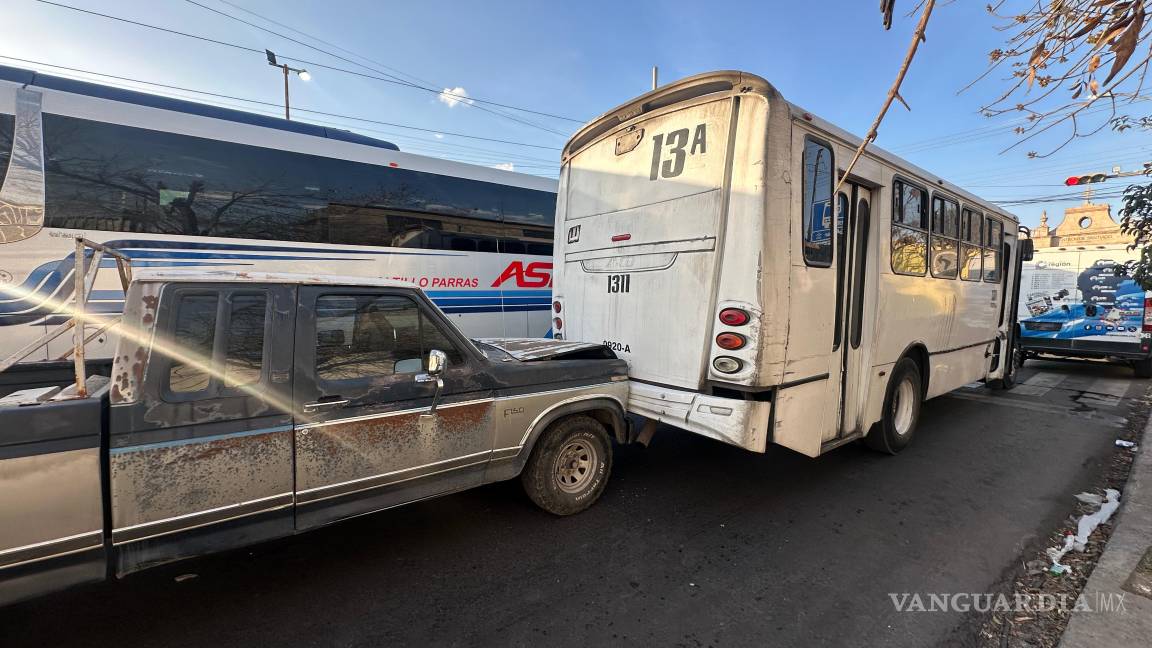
(569, 466)
(901, 409)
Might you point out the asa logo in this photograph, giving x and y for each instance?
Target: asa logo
(537, 274)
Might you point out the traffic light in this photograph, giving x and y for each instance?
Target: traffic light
(1086, 179)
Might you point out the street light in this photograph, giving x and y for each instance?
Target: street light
(300, 72)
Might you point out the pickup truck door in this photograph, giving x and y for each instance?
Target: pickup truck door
(201, 457)
(363, 435)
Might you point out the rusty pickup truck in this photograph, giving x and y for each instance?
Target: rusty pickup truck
(245, 406)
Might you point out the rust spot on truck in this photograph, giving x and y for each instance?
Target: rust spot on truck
(168, 481)
(337, 452)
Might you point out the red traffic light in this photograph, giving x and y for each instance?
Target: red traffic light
(1086, 179)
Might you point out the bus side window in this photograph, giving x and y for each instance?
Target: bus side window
(993, 240)
(816, 204)
(909, 229)
(971, 255)
(945, 232)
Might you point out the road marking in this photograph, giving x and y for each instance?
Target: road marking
(1098, 400)
(1093, 415)
(1111, 386)
(1030, 390)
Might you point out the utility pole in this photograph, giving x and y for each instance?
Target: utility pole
(302, 73)
(655, 77)
(287, 112)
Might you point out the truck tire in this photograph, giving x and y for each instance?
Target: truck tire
(1143, 368)
(902, 401)
(569, 467)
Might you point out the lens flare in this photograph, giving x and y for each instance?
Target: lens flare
(148, 339)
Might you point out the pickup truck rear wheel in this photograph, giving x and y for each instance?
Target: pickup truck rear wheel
(569, 466)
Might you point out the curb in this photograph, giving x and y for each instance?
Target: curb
(1119, 615)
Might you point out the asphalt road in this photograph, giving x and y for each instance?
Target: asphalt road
(694, 543)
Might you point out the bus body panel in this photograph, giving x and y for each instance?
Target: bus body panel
(641, 229)
(803, 382)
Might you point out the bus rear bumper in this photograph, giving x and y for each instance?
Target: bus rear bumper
(741, 423)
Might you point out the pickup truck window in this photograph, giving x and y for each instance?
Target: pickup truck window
(245, 356)
(365, 336)
(195, 332)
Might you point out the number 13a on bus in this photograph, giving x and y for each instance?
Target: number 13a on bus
(700, 234)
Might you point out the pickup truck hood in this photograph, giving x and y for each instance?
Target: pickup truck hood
(528, 349)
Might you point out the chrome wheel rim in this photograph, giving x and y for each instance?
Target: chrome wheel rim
(903, 406)
(575, 466)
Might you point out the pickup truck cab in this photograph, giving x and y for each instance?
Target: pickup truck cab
(248, 406)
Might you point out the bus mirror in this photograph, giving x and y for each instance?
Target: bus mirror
(1027, 248)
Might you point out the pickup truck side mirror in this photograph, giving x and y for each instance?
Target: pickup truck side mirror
(437, 361)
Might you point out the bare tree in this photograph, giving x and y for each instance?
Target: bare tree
(1074, 64)
(1079, 66)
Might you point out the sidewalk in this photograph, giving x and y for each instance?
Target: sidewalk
(1114, 575)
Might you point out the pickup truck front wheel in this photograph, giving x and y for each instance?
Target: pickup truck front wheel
(569, 466)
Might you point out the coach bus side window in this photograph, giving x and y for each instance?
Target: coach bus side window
(971, 254)
(993, 239)
(118, 178)
(7, 127)
(817, 204)
(909, 231)
(945, 235)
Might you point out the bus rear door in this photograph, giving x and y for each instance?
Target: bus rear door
(641, 211)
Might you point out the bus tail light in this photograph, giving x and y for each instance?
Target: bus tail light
(557, 323)
(734, 317)
(727, 364)
(731, 341)
(556, 306)
(1147, 315)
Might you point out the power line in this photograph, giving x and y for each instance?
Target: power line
(316, 64)
(982, 132)
(462, 98)
(268, 103)
(328, 43)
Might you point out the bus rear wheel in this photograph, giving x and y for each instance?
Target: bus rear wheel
(902, 401)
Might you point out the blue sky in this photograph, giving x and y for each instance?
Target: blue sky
(578, 59)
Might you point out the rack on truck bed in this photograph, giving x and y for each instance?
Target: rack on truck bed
(85, 326)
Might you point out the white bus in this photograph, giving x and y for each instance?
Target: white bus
(698, 236)
(172, 183)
